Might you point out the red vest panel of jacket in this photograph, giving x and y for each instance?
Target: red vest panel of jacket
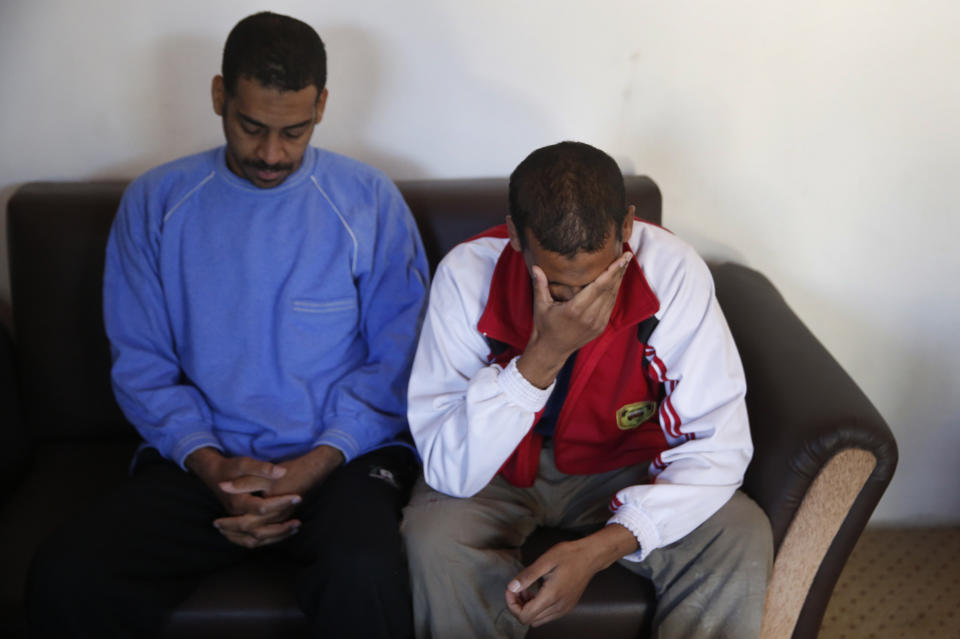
(609, 419)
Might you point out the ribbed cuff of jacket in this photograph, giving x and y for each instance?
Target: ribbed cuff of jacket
(642, 527)
(521, 392)
(341, 440)
(190, 443)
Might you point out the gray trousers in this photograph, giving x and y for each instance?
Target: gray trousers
(463, 552)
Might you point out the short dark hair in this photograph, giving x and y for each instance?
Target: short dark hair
(277, 51)
(568, 195)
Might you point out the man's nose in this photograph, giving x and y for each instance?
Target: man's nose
(564, 293)
(271, 149)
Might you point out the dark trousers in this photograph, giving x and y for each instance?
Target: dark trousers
(120, 568)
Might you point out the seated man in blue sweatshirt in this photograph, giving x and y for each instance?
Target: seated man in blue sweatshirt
(262, 302)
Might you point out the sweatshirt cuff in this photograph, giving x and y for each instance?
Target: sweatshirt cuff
(193, 441)
(521, 392)
(642, 527)
(341, 440)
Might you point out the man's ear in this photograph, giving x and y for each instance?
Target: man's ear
(321, 105)
(515, 242)
(219, 95)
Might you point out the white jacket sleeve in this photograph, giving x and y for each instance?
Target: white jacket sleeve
(703, 413)
(466, 416)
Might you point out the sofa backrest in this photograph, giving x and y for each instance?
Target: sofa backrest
(57, 233)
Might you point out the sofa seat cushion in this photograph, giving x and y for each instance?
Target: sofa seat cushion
(254, 598)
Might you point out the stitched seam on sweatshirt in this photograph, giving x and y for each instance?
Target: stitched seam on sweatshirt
(189, 193)
(356, 245)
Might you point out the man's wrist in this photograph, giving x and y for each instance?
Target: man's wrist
(540, 365)
(200, 461)
(327, 455)
(323, 460)
(609, 544)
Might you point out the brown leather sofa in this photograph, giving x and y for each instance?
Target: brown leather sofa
(823, 457)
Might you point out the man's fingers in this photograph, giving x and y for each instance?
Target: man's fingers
(272, 505)
(236, 524)
(615, 272)
(515, 604)
(520, 600)
(242, 504)
(254, 526)
(534, 608)
(246, 504)
(541, 289)
(553, 612)
(245, 484)
(266, 470)
(264, 535)
(274, 540)
(272, 531)
(606, 285)
(595, 303)
(250, 521)
(254, 503)
(529, 576)
(240, 539)
(551, 606)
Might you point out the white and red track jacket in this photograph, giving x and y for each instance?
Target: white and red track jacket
(662, 385)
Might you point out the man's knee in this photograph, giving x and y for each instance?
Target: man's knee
(735, 541)
(428, 526)
(358, 586)
(436, 525)
(370, 555)
(712, 583)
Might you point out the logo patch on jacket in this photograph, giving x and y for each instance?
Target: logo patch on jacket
(632, 415)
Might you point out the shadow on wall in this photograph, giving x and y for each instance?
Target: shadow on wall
(176, 115)
(663, 132)
(170, 105)
(355, 78)
(432, 102)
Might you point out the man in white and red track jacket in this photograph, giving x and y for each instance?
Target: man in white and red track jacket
(571, 359)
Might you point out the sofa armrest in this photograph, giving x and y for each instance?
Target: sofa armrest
(803, 407)
(15, 444)
(823, 454)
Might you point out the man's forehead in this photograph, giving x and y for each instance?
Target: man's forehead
(577, 270)
(533, 244)
(273, 107)
(249, 89)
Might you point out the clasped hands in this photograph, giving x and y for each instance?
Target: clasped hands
(261, 497)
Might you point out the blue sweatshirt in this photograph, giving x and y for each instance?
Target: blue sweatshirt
(263, 322)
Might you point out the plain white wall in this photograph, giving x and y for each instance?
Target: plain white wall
(817, 142)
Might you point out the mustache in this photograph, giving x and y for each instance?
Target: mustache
(260, 165)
